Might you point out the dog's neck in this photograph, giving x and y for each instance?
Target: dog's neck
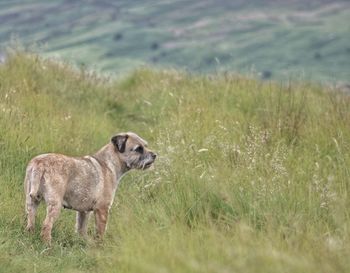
(111, 158)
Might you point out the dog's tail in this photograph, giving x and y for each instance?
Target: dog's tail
(34, 175)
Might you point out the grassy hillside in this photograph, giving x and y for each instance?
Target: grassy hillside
(251, 176)
(272, 38)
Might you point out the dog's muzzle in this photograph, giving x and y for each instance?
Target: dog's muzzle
(151, 157)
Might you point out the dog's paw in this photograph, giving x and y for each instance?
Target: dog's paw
(29, 229)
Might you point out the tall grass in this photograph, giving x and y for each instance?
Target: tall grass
(251, 176)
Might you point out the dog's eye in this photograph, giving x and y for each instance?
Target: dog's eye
(139, 149)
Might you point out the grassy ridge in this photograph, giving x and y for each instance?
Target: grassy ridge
(251, 176)
(272, 38)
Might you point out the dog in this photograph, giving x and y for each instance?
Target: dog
(84, 184)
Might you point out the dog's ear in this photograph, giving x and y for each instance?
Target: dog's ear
(119, 142)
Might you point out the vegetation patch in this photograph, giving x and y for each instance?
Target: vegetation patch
(250, 177)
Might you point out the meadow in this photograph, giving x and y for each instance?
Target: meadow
(251, 176)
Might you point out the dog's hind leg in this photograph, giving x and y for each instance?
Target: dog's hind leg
(52, 212)
(31, 207)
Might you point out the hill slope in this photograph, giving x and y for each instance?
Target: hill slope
(251, 176)
(278, 39)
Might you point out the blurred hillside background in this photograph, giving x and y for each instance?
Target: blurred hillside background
(271, 38)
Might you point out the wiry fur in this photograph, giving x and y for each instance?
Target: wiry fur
(83, 184)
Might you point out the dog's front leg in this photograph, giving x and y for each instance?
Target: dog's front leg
(82, 221)
(101, 216)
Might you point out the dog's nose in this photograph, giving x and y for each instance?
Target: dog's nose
(154, 156)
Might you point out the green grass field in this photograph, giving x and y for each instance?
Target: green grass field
(279, 39)
(251, 176)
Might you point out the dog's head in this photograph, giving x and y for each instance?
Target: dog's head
(133, 151)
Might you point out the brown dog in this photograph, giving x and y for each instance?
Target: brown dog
(83, 184)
